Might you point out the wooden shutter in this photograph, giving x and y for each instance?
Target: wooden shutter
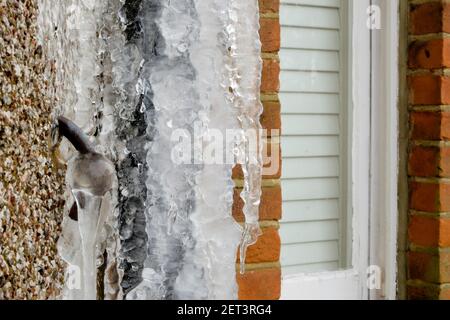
(313, 140)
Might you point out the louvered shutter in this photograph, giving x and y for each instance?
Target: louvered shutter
(314, 135)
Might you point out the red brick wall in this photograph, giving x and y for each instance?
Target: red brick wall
(262, 279)
(429, 150)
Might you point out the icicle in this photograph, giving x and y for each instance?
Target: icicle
(129, 52)
(73, 38)
(170, 186)
(209, 270)
(90, 177)
(245, 75)
(132, 73)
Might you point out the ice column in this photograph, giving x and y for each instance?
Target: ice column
(216, 234)
(171, 186)
(245, 75)
(148, 80)
(130, 49)
(90, 178)
(75, 48)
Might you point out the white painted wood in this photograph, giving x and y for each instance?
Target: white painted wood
(318, 3)
(310, 210)
(314, 103)
(298, 254)
(310, 146)
(310, 124)
(312, 267)
(340, 285)
(309, 60)
(304, 38)
(304, 81)
(320, 167)
(384, 213)
(309, 189)
(311, 110)
(309, 231)
(347, 284)
(360, 175)
(310, 16)
(382, 143)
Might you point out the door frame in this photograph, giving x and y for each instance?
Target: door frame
(374, 135)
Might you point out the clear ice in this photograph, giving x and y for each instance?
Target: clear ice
(131, 73)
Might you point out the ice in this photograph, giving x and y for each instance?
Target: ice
(245, 76)
(132, 112)
(90, 177)
(69, 34)
(69, 244)
(216, 233)
(151, 287)
(131, 74)
(170, 186)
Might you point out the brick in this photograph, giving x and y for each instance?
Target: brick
(270, 208)
(271, 117)
(430, 270)
(423, 266)
(429, 196)
(444, 163)
(444, 232)
(429, 231)
(424, 231)
(425, 125)
(429, 161)
(266, 249)
(444, 189)
(426, 292)
(424, 196)
(270, 76)
(444, 267)
(269, 33)
(430, 125)
(269, 6)
(429, 292)
(263, 284)
(424, 161)
(429, 89)
(430, 54)
(431, 17)
(444, 293)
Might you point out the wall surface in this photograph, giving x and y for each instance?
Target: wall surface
(30, 191)
(262, 279)
(428, 255)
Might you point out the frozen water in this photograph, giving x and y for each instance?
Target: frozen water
(130, 73)
(245, 49)
(128, 51)
(90, 177)
(70, 36)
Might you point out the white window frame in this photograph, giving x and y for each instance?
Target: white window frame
(385, 148)
(373, 95)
